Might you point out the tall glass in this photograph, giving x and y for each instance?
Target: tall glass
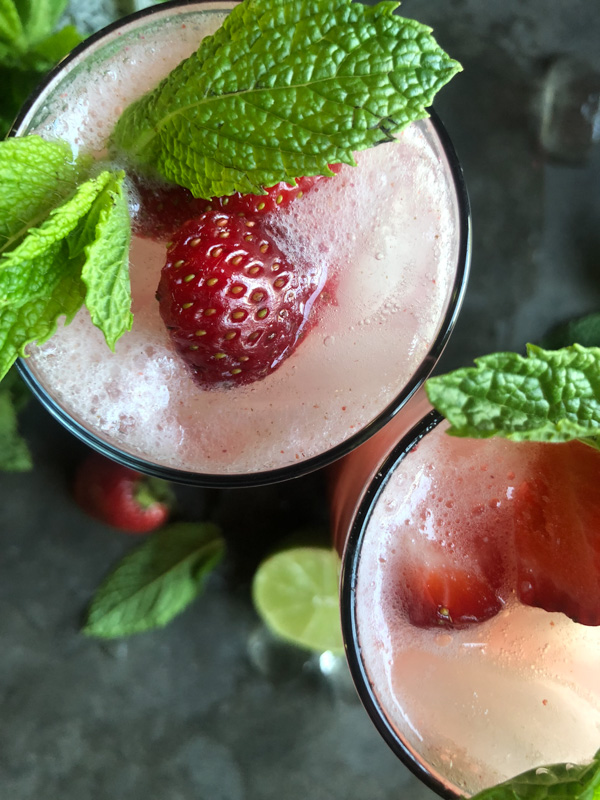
(395, 232)
(470, 704)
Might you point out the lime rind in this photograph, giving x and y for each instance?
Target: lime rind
(296, 594)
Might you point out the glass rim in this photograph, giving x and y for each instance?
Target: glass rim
(349, 624)
(323, 459)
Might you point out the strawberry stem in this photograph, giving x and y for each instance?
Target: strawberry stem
(149, 491)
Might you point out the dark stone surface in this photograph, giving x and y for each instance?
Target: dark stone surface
(210, 707)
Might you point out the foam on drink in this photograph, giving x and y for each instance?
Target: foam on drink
(387, 232)
(482, 704)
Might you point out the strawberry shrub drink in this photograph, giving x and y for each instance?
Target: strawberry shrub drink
(471, 599)
(271, 332)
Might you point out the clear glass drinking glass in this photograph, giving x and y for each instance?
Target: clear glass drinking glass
(369, 351)
(463, 707)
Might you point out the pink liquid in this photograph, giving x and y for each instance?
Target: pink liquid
(482, 704)
(387, 232)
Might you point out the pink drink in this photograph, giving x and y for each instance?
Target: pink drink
(472, 707)
(391, 233)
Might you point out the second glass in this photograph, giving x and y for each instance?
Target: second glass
(473, 663)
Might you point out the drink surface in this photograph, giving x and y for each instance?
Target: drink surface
(480, 704)
(386, 231)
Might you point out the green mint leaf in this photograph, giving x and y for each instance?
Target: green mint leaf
(156, 581)
(11, 28)
(35, 177)
(549, 396)
(85, 238)
(32, 269)
(21, 68)
(28, 40)
(106, 269)
(14, 452)
(36, 320)
(40, 17)
(43, 55)
(29, 46)
(584, 331)
(283, 89)
(9, 55)
(19, 393)
(554, 782)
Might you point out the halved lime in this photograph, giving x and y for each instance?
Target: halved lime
(296, 593)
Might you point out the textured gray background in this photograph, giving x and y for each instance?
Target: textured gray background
(209, 709)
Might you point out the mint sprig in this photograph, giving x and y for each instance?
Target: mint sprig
(156, 581)
(283, 89)
(77, 253)
(553, 782)
(548, 396)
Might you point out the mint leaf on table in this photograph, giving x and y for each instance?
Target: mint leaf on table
(583, 330)
(282, 89)
(29, 46)
(28, 38)
(554, 782)
(39, 17)
(48, 51)
(548, 396)
(156, 581)
(11, 27)
(14, 453)
(19, 393)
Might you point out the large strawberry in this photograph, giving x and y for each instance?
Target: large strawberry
(557, 533)
(234, 305)
(160, 209)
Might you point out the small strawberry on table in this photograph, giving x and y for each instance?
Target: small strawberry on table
(121, 497)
